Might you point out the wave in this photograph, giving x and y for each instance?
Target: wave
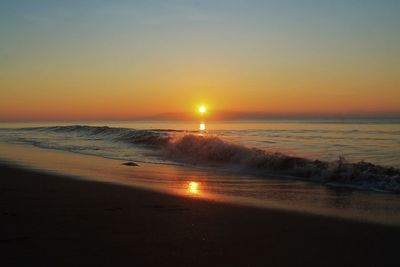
(157, 137)
(210, 150)
(197, 149)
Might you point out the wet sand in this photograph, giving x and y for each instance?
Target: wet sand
(54, 220)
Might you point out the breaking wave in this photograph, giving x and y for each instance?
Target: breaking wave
(146, 137)
(210, 150)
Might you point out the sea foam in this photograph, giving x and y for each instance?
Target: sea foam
(213, 151)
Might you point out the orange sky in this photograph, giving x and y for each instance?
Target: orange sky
(126, 61)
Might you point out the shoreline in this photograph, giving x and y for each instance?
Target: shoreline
(53, 220)
(277, 194)
(219, 151)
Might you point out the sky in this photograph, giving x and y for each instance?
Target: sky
(94, 59)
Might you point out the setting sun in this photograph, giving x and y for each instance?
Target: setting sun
(202, 109)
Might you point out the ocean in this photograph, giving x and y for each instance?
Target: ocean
(347, 168)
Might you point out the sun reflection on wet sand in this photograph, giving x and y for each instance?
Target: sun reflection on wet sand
(211, 186)
(193, 188)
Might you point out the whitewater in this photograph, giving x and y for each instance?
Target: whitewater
(361, 154)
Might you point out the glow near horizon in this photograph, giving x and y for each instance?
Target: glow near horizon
(96, 59)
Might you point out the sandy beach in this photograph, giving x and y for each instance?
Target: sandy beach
(54, 220)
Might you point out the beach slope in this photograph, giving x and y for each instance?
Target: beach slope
(54, 220)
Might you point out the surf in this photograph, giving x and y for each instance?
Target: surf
(210, 150)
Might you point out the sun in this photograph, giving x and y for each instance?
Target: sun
(202, 109)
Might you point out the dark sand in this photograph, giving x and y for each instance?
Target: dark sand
(49, 220)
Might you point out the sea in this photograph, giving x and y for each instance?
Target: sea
(343, 168)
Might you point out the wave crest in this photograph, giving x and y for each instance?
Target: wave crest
(209, 150)
(145, 137)
(212, 150)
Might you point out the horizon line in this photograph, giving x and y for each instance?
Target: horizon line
(224, 116)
